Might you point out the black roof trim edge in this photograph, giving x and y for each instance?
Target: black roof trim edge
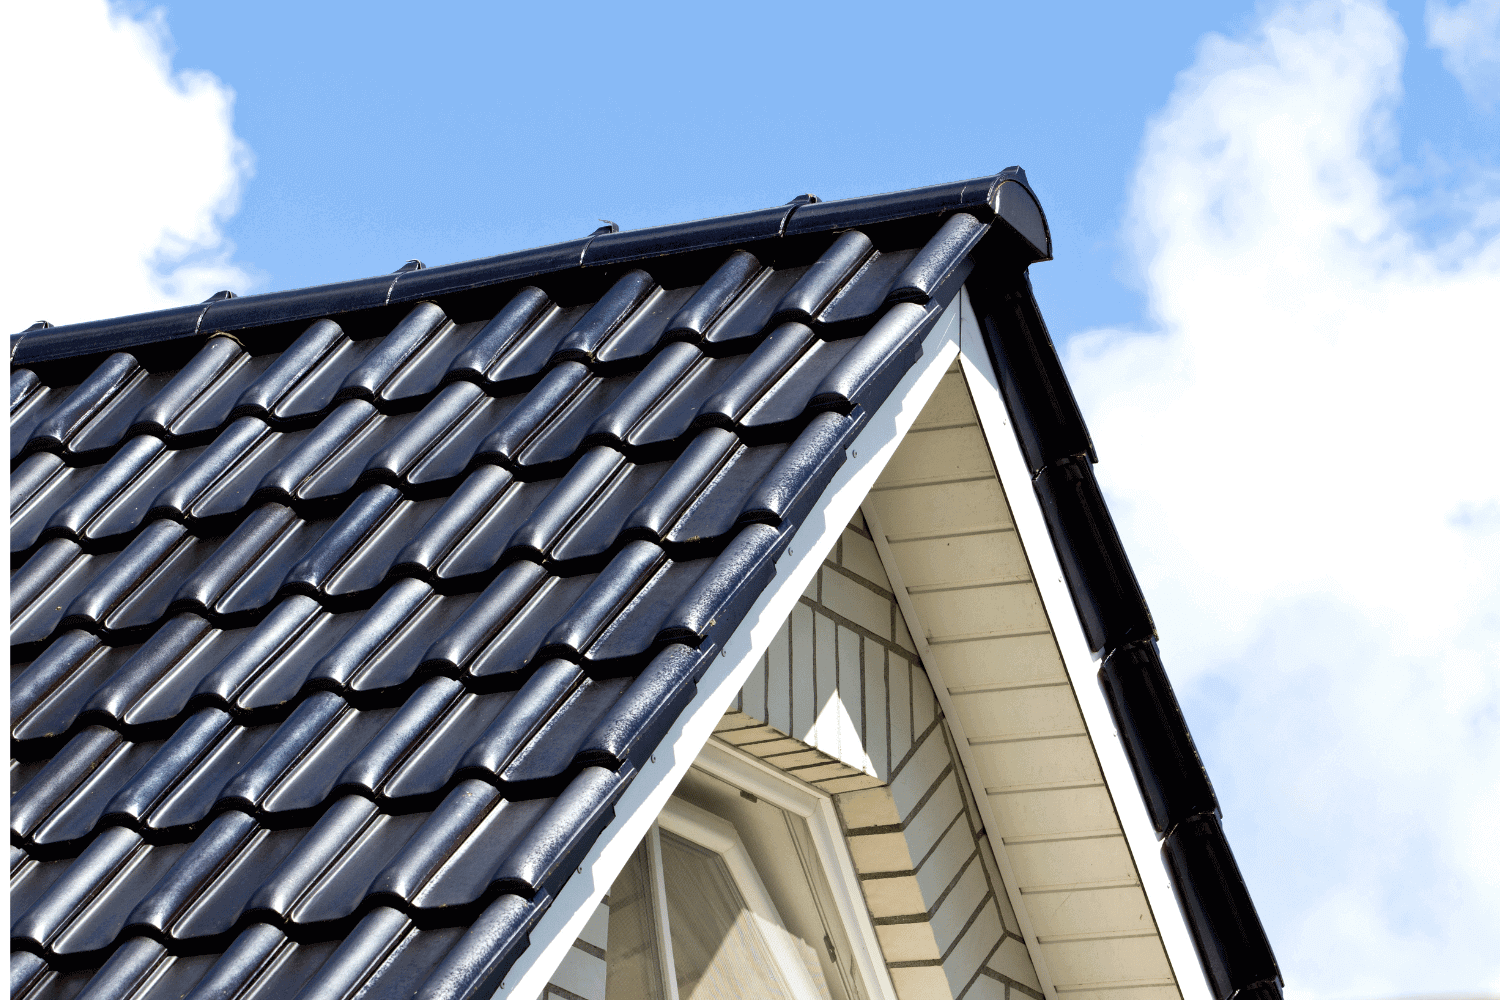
(998, 196)
(106, 335)
(1227, 933)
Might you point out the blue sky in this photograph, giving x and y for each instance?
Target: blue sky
(1277, 235)
(380, 134)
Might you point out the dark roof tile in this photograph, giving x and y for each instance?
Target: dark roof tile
(64, 801)
(155, 683)
(38, 487)
(55, 575)
(112, 381)
(222, 477)
(385, 645)
(46, 697)
(208, 888)
(181, 782)
(298, 767)
(351, 628)
(868, 289)
(452, 859)
(267, 667)
(873, 366)
(263, 963)
(379, 941)
(85, 908)
(608, 315)
(27, 971)
(440, 441)
(328, 461)
(714, 296)
(200, 399)
(23, 384)
(136, 588)
(419, 749)
(548, 758)
(302, 379)
(379, 369)
(476, 965)
(305, 887)
(930, 267)
(113, 499)
(825, 279)
(640, 716)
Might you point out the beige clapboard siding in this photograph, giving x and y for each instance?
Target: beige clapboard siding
(580, 975)
(954, 548)
(841, 700)
(842, 677)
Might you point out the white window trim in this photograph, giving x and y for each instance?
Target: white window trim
(815, 807)
(663, 928)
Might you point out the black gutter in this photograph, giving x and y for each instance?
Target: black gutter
(1226, 931)
(1003, 197)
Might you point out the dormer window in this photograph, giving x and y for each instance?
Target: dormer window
(728, 895)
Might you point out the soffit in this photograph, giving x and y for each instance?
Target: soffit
(944, 527)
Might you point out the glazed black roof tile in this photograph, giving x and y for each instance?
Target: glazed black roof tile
(350, 611)
(406, 604)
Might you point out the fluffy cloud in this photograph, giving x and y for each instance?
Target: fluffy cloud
(1301, 456)
(1468, 34)
(119, 172)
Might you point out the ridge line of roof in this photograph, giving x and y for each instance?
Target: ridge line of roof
(979, 195)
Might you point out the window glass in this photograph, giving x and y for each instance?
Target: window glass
(633, 960)
(787, 862)
(717, 948)
(725, 897)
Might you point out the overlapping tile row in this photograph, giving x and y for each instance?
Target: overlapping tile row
(323, 373)
(311, 824)
(409, 827)
(205, 652)
(339, 656)
(764, 396)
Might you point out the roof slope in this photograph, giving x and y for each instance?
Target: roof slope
(343, 615)
(350, 611)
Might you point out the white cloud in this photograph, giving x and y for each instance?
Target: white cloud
(1468, 34)
(1302, 460)
(119, 172)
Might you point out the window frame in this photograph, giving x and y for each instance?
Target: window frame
(719, 836)
(815, 808)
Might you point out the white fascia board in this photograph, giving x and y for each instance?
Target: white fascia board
(638, 807)
(1081, 664)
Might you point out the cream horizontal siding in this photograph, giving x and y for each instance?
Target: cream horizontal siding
(953, 548)
(838, 678)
